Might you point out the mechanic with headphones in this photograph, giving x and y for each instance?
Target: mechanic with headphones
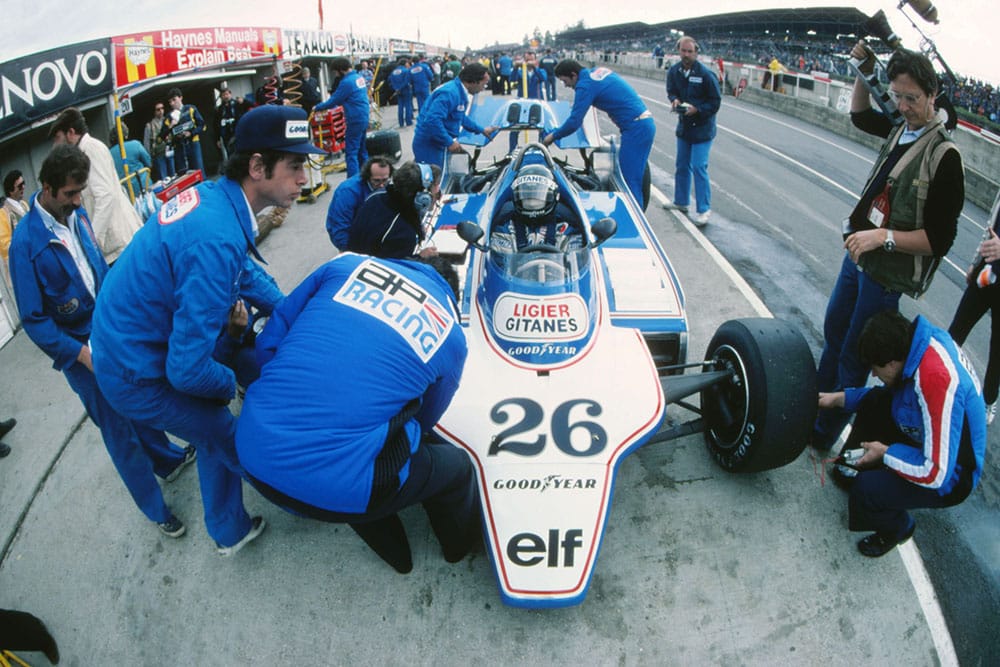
(694, 96)
(534, 216)
(390, 222)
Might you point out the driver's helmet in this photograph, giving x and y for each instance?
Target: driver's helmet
(535, 192)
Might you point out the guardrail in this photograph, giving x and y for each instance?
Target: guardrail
(824, 101)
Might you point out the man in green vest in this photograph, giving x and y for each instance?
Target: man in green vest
(901, 227)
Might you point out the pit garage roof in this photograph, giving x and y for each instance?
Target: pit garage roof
(824, 21)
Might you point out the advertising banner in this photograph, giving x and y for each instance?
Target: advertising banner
(331, 43)
(44, 83)
(148, 55)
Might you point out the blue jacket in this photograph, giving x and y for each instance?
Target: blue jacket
(701, 89)
(505, 64)
(55, 305)
(380, 230)
(347, 199)
(162, 308)
(442, 114)
(190, 121)
(937, 396)
(421, 75)
(602, 88)
(354, 343)
(536, 81)
(399, 79)
(136, 157)
(352, 94)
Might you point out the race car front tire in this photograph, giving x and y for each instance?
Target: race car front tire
(761, 416)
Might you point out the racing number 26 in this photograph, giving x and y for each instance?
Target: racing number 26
(561, 428)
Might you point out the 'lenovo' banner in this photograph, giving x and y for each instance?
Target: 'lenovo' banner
(151, 54)
(43, 83)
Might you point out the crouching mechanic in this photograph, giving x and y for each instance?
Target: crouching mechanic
(351, 194)
(58, 271)
(170, 295)
(373, 351)
(534, 217)
(923, 434)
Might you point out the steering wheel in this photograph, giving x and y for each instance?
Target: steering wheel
(539, 247)
(531, 269)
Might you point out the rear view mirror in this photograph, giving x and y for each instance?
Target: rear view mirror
(470, 232)
(603, 229)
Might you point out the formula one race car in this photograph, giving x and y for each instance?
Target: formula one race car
(577, 346)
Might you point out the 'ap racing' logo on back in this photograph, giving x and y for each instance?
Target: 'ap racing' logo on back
(409, 310)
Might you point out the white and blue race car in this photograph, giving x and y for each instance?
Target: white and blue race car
(575, 352)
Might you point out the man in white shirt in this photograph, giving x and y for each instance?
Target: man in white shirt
(114, 217)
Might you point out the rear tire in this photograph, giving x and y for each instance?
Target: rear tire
(385, 143)
(762, 417)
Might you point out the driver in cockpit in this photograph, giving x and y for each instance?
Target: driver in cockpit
(535, 216)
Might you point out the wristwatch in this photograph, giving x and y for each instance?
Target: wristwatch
(890, 243)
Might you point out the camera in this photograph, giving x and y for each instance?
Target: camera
(852, 456)
(681, 108)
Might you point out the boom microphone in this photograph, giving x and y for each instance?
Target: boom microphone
(925, 9)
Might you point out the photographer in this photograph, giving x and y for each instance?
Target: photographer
(922, 434)
(694, 95)
(226, 116)
(896, 236)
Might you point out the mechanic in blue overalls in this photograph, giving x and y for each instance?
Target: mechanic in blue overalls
(505, 66)
(351, 194)
(351, 92)
(611, 94)
(163, 307)
(58, 270)
(401, 84)
(421, 77)
(446, 109)
(372, 349)
(536, 78)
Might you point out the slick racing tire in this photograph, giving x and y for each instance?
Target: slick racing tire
(761, 417)
(384, 142)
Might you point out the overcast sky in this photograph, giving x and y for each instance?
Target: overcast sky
(963, 38)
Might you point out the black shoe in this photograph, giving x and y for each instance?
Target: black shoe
(172, 527)
(6, 426)
(877, 545)
(4, 450)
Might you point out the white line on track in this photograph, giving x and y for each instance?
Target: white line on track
(908, 551)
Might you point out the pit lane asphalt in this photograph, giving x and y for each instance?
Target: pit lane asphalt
(697, 566)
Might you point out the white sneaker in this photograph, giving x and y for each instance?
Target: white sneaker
(991, 413)
(701, 219)
(257, 526)
(670, 206)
